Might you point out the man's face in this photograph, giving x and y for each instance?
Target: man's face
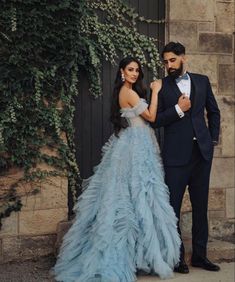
(174, 64)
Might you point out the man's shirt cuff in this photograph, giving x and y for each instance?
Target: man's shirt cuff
(179, 111)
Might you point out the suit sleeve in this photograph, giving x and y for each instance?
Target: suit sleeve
(164, 116)
(213, 113)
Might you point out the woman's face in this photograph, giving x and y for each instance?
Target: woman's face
(131, 72)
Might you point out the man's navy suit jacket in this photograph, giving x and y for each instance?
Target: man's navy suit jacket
(179, 132)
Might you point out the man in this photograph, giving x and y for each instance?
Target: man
(188, 145)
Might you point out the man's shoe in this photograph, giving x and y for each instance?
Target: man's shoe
(141, 272)
(205, 264)
(181, 267)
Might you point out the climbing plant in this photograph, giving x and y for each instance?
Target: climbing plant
(44, 45)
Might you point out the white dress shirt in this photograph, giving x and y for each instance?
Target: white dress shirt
(185, 87)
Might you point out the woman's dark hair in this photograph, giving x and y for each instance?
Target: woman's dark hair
(118, 121)
(174, 47)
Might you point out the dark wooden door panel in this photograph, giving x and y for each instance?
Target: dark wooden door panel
(92, 126)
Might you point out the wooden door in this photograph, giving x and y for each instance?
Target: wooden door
(92, 124)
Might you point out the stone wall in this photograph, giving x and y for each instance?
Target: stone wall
(31, 232)
(206, 28)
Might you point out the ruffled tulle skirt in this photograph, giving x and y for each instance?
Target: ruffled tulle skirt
(124, 221)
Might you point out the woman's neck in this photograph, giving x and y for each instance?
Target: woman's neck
(127, 85)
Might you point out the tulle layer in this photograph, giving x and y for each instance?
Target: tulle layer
(124, 221)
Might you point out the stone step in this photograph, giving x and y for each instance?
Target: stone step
(217, 250)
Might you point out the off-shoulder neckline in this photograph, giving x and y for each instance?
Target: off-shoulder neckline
(132, 108)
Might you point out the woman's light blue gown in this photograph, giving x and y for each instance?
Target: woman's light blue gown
(124, 221)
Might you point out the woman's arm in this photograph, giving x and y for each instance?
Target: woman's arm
(150, 113)
(133, 99)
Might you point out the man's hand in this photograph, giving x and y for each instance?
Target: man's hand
(184, 103)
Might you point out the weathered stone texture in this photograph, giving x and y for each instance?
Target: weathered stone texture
(192, 10)
(186, 223)
(24, 247)
(204, 64)
(40, 221)
(206, 26)
(226, 78)
(0, 250)
(219, 250)
(186, 204)
(230, 203)
(225, 59)
(222, 174)
(31, 202)
(55, 193)
(52, 194)
(216, 214)
(216, 199)
(186, 36)
(225, 17)
(215, 43)
(9, 225)
(226, 105)
(219, 227)
(62, 229)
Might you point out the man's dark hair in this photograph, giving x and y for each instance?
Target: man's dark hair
(174, 47)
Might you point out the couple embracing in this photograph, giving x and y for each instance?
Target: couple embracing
(127, 218)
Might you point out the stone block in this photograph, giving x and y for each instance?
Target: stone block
(62, 229)
(1, 258)
(8, 179)
(191, 10)
(216, 214)
(219, 250)
(226, 78)
(186, 222)
(54, 193)
(24, 247)
(52, 152)
(218, 151)
(219, 227)
(226, 105)
(225, 59)
(204, 64)
(215, 43)
(40, 221)
(222, 174)
(31, 202)
(216, 199)
(185, 33)
(230, 203)
(206, 26)
(9, 225)
(186, 204)
(224, 17)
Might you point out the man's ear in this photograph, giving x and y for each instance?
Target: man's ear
(184, 58)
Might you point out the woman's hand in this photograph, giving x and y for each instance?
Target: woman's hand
(156, 85)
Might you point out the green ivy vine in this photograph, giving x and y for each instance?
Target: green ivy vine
(43, 47)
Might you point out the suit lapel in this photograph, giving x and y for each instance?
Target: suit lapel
(194, 91)
(174, 86)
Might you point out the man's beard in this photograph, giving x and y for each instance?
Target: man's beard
(175, 73)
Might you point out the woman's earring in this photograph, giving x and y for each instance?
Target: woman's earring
(123, 77)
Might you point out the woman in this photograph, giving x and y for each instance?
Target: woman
(124, 221)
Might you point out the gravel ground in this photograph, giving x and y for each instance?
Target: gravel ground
(38, 271)
(27, 271)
